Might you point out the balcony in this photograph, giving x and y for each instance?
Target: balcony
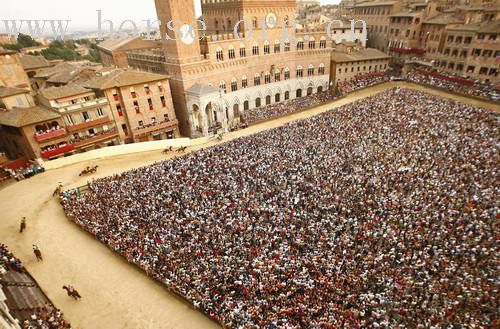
(50, 135)
(88, 124)
(96, 138)
(61, 150)
(146, 130)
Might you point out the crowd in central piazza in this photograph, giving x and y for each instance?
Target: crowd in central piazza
(257, 114)
(477, 89)
(363, 80)
(379, 214)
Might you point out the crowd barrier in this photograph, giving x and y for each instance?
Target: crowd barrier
(117, 150)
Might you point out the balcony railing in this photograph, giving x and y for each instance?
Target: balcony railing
(96, 139)
(61, 150)
(139, 132)
(88, 124)
(83, 105)
(50, 135)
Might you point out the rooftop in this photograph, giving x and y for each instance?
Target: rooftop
(11, 91)
(375, 3)
(121, 78)
(64, 91)
(358, 55)
(443, 20)
(30, 62)
(20, 117)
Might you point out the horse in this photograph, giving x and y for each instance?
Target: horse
(72, 292)
(182, 149)
(57, 191)
(22, 226)
(167, 150)
(38, 253)
(89, 170)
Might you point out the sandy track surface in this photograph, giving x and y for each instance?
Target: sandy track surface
(115, 293)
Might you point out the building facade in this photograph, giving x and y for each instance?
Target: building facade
(215, 80)
(140, 103)
(87, 119)
(113, 52)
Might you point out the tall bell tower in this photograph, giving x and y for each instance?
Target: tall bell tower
(184, 47)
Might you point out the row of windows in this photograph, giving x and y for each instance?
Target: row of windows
(358, 68)
(219, 54)
(470, 69)
(268, 78)
(138, 108)
(133, 93)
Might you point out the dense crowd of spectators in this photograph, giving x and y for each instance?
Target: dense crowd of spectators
(43, 318)
(8, 262)
(28, 171)
(287, 107)
(477, 89)
(47, 318)
(379, 214)
(363, 80)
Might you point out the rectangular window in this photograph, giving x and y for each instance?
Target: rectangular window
(100, 112)
(119, 110)
(136, 107)
(163, 102)
(86, 116)
(150, 103)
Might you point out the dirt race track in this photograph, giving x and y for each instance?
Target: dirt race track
(115, 293)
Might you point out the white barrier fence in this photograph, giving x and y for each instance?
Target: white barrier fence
(117, 150)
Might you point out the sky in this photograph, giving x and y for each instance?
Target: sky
(83, 13)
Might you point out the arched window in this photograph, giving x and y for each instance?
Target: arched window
(287, 73)
(257, 102)
(300, 44)
(254, 22)
(236, 110)
(298, 93)
(287, 45)
(277, 98)
(321, 69)
(244, 82)
(277, 46)
(310, 70)
(234, 84)
(246, 105)
(300, 73)
(243, 50)
(256, 79)
(287, 95)
(267, 77)
(255, 49)
(268, 100)
(312, 43)
(231, 53)
(277, 75)
(222, 86)
(266, 47)
(322, 43)
(309, 91)
(286, 20)
(219, 54)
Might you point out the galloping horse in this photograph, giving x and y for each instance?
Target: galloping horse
(167, 150)
(89, 170)
(72, 292)
(58, 190)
